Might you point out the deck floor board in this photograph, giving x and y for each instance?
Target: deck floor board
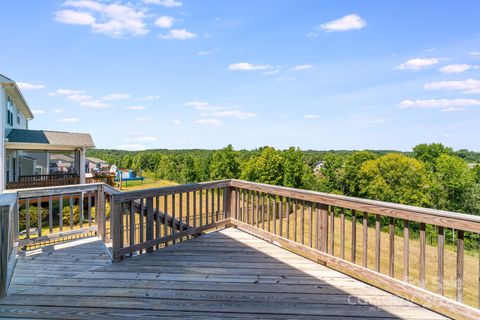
(222, 275)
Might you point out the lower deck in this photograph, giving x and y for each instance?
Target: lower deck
(223, 274)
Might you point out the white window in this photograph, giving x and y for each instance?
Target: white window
(10, 108)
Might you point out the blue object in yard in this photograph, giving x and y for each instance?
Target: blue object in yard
(128, 175)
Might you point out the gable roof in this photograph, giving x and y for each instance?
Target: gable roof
(52, 138)
(13, 90)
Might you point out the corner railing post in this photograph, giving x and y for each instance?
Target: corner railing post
(117, 227)
(4, 248)
(100, 212)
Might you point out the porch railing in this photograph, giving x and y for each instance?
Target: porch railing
(381, 243)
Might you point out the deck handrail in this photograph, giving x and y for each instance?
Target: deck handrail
(8, 240)
(305, 222)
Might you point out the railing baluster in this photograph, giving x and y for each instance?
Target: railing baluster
(460, 257)
(89, 208)
(332, 230)
(174, 224)
(295, 220)
(354, 236)
(157, 219)
(256, 209)
(406, 250)
(188, 212)
(263, 211)
(149, 220)
(287, 212)
(39, 213)
(275, 214)
(60, 212)
(280, 212)
(71, 212)
(391, 257)
(165, 215)
(237, 204)
(310, 225)
(27, 218)
(422, 256)
(206, 206)
(180, 213)
(194, 209)
(342, 233)
(377, 242)
(251, 212)
(365, 240)
(141, 215)
(125, 216)
(440, 259)
(302, 222)
(201, 208)
(80, 209)
(268, 211)
(50, 213)
(131, 213)
(324, 227)
(218, 204)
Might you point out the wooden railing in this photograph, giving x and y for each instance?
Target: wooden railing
(338, 231)
(51, 176)
(8, 240)
(145, 220)
(381, 243)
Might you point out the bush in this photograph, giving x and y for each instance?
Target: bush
(33, 216)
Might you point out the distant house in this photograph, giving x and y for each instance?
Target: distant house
(25, 155)
(97, 164)
(318, 166)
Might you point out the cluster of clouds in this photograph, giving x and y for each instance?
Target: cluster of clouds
(212, 115)
(116, 19)
(468, 86)
(349, 22)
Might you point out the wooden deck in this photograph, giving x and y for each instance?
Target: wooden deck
(224, 274)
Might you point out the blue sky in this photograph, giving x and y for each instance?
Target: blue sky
(202, 74)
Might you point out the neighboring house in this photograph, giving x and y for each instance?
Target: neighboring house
(97, 164)
(26, 154)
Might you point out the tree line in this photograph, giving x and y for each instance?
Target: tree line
(431, 175)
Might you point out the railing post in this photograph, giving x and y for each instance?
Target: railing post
(117, 227)
(4, 252)
(100, 213)
(228, 208)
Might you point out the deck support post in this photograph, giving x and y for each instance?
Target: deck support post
(117, 228)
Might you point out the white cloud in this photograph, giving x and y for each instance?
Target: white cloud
(65, 92)
(165, 3)
(202, 105)
(74, 17)
(455, 68)
(59, 110)
(114, 19)
(245, 66)
(466, 86)
(176, 122)
(135, 108)
(453, 109)
(206, 53)
(311, 116)
(38, 111)
(349, 22)
(439, 103)
(131, 147)
(143, 119)
(179, 34)
(79, 97)
(69, 120)
(30, 86)
(117, 96)
(149, 98)
(94, 104)
(236, 114)
(164, 22)
(270, 72)
(475, 54)
(417, 63)
(209, 122)
(302, 67)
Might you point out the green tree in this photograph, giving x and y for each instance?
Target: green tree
(455, 184)
(296, 173)
(225, 164)
(429, 153)
(332, 174)
(395, 178)
(265, 168)
(352, 167)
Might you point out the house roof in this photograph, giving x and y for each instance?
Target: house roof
(95, 160)
(13, 90)
(42, 139)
